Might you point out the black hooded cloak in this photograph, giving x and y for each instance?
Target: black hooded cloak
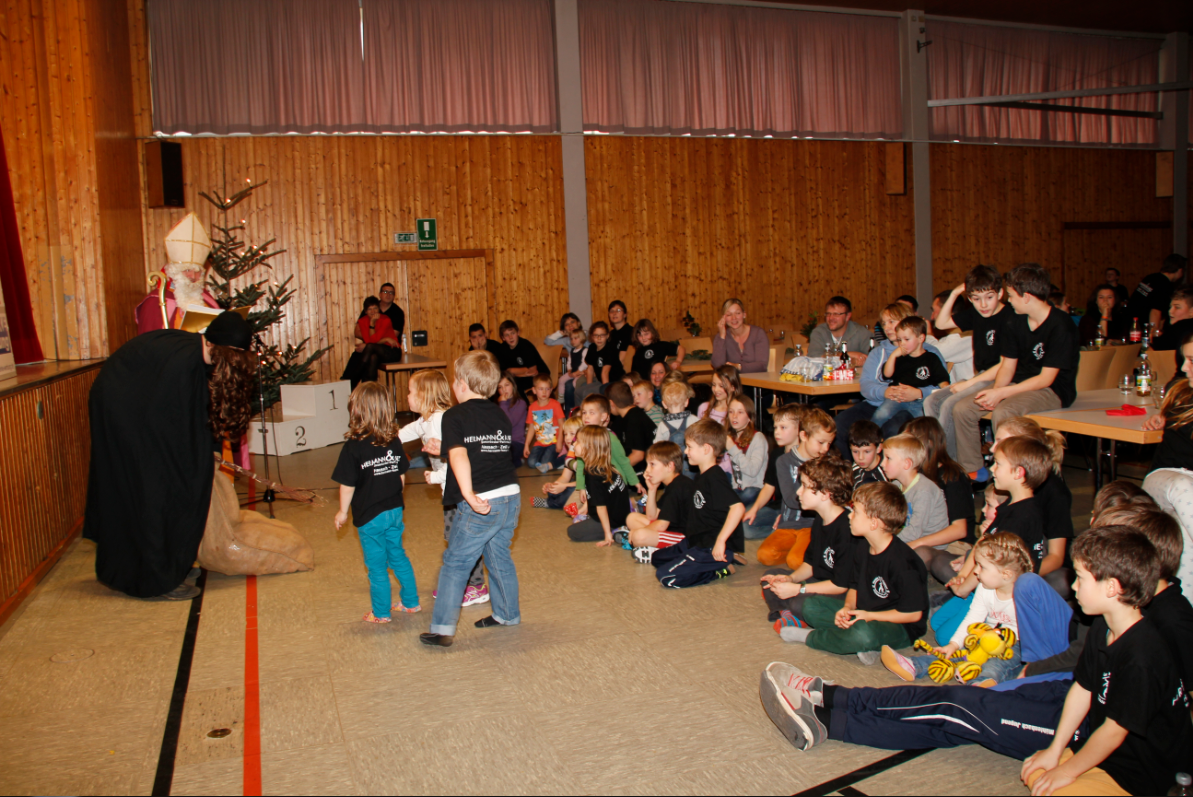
(150, 479)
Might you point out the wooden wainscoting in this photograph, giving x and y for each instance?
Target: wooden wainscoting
(45, 450)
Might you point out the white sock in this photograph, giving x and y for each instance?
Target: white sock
(793, 634)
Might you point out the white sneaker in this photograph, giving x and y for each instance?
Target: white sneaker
(869, 657)
(642, 554)
(789, 709)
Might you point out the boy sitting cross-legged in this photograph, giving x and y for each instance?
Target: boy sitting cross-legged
(825, 490)
(663, 523)
(887, 601)
(927, 512)
(1126, 683)
(815, 431)
(714, 519)
(865, 444)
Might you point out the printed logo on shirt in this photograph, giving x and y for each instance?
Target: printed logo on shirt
(496, 443)
(698, 500)
(648, 353)
(829, 556)
(795, 473)
(1105, 688)
(383, 465)
(1181, 697)
(1038, 351)
(921, 372)
(519, 361)
(879, 588)
(990, 337)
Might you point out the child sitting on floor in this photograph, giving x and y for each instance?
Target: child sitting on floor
(825, 490)
(714, 520)
(815, 434)
(865, 444)
(677, 419)
(595, 411)
(994, 499)
(1000, 559)
(558, 491)
(902, 458)
(371, 473)
(608, 497)
(887, 601)
(747, 449)
(664, 521)
(541, 449)
(725, 385)
(514, 406)
(644, 400)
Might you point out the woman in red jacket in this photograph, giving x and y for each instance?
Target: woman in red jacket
(375, 331)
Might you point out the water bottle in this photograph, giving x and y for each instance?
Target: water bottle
(404, 346)
(1182, 787)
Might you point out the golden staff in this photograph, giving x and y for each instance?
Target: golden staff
(157, 280)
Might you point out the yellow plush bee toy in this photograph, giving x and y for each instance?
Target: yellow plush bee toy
(982, 643)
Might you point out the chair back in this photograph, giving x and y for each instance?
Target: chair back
(550, 355)
(1163, 365)
(627, 358)
(1092, 369)
(1123, 363)
(691, 344)
(777, 359)
(675, 333)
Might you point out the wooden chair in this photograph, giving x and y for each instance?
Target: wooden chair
(1123, 363)
(675, 333)
(550, 355)
(691, 344)
(778, 353)
(1092, 368)
(1163, 365)
(627, 358)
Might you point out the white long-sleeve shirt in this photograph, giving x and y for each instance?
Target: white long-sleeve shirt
(987, 607)
(426, 429)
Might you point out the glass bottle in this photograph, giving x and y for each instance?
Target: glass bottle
(1183, 787)
(1136, 332)
(1143, 375)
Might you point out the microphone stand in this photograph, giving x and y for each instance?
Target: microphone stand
(270, 495)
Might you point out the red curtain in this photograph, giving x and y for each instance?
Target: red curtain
(17, 307)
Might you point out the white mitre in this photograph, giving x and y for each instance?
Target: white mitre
(187, 247)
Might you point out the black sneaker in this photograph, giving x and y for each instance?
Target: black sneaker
(621, 537)
(183, 592)
(487, 622)
(436, 640)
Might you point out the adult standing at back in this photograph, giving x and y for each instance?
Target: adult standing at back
(1121, 294)
(839, 327)
(1151, 299)
(737, 343)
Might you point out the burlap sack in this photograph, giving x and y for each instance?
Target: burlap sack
(242, 543)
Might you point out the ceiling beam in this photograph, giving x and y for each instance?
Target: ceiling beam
(1041, 106)
(1061, 95)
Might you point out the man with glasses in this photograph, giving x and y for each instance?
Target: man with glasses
(391, 309)
(838, 328)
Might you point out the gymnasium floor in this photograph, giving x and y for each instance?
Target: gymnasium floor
(611, 684)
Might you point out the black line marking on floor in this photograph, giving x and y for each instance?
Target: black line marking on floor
(849, 791)
(163, 781)
(839, 785)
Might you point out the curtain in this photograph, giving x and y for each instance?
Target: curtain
(17, 306)
(658, 67)
(256, 66)
(982, 60)
(460, 66)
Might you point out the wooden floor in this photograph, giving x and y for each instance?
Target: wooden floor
(611, 684)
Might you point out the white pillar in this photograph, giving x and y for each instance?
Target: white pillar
(1174, 133)
(571, 125)
(913, 63)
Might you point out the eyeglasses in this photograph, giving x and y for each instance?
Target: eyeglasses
(834, 315)
(385, 292)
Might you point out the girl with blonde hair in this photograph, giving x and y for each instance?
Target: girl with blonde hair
(608, 495)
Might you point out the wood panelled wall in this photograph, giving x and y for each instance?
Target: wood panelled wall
(349, 194)
(1007, 205)
(43, 478)
(66, 114)
(680, 224)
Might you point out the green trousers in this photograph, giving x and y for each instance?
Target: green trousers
(819, 611)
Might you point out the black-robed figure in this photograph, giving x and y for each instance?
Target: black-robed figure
(159, 408)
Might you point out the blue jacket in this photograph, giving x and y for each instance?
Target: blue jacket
(874, 384)
(1043, 618)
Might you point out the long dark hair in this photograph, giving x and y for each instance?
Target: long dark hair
(230, 391)
(938, 465)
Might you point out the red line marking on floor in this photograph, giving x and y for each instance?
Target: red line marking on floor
(252, 694)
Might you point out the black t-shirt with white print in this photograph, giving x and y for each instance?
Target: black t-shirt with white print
(1053, 344)
(599, 358)
(620, 339)
(832, 550)
(635, 431)
(611, 494)
(1023, 518)
(484, 430)
(647, 356)
(675, 506)
(920, 372)
(523, 355)
(894, 579)
(987, 333)
(376, 473)
(1135, 682)
(711, 501)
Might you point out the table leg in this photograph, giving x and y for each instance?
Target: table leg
(1113, 464)
(1098, 464)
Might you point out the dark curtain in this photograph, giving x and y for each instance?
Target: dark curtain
(17, 307)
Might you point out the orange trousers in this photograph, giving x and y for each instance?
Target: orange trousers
(785, 547)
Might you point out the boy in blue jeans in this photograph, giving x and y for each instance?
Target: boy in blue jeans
(911, 366)
(483, 485)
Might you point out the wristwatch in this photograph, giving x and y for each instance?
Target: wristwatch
(803, 588)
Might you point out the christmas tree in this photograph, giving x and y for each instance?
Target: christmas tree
(230, 259)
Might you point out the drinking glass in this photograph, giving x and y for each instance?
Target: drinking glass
(1124, 384)
(1158, 394)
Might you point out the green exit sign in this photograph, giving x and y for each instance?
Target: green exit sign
(405, 238)
(428, 235)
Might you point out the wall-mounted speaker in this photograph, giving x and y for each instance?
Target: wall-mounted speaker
(163, 174)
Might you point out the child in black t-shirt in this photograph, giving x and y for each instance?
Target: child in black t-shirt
(713, 536)
(631, 424)
(913, 367)
(608, 496)
(520, 358)
(826, 486)
(887, 601)
(603, 361)
(1126, 683)
(482, 483)
(371, 473)
(662, 524)
(648, 349)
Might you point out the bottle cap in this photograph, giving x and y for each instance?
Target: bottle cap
(1183, 779)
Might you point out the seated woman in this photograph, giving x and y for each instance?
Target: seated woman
(377, 344)
(1102, 315)
(737, 343)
